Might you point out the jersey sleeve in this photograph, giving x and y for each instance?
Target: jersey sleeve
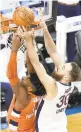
(12, 69)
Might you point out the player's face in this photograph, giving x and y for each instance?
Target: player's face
(62, 71)
(64, 68)
(26, 83)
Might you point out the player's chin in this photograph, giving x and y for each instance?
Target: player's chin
(57, 76)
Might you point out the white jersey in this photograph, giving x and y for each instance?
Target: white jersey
(51, 115)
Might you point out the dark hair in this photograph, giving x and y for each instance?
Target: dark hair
(75, 72)
(40, 90)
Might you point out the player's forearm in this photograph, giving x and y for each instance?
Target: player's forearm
(49, 43)
(30, 68)
(31, 52)
(12, 68)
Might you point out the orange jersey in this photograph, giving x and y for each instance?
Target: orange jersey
(24, 120)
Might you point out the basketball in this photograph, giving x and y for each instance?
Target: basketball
(23, 16)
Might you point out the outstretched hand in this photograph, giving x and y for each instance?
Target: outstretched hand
(27, 35)
(16, 41)
(42, 23)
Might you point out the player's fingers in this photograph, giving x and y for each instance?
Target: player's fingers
(24, 29)
(20, 32)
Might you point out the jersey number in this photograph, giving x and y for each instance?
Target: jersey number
(63, 100)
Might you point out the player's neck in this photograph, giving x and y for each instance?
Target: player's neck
(64, 82)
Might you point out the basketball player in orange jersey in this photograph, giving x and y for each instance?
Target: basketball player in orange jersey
(50, 116)
(21, 114)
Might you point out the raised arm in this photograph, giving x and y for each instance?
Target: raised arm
(30, 67)
(50, 45)
(45, 79)
(12, 65)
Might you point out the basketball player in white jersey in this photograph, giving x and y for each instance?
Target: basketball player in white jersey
(51, 110)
